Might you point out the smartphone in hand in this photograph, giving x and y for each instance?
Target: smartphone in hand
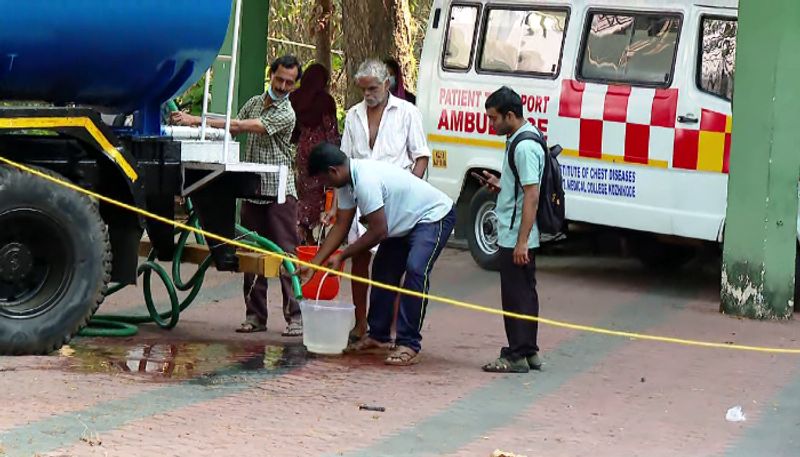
(488, 180)
(480, 178)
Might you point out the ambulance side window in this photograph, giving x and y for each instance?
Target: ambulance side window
(523, 41)
(460, 37)
(631, 48)
(717, 56)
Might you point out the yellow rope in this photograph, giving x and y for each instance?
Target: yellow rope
(445, 300)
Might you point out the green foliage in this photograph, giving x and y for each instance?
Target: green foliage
(290, 20)
(192, 99)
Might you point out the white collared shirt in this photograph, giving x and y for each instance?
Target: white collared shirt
(400, 140)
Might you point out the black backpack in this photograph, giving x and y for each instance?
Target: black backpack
(551, 216)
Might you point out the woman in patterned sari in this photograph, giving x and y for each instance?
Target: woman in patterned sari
(316, 122)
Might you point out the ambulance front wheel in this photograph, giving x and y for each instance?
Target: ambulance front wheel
(483, 228)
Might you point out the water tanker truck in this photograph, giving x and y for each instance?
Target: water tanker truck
(66, 68)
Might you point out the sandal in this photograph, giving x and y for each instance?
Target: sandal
(503, 365)
(403, 356)
(251, 326)
(295, 328)
(535, 362)
(367, 345)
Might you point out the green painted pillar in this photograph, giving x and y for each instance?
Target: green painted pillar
(760, 232)
(251, 74)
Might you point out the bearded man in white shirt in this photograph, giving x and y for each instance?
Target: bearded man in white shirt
(388, 129)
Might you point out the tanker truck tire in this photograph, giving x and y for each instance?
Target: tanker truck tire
(483, 229)
(55, 263)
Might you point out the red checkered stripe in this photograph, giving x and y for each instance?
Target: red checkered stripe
(636, 125)
(706, 149)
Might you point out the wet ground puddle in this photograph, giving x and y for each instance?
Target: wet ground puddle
(176, 361)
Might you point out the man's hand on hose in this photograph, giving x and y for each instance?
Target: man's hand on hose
(181, 118)
(327, 217)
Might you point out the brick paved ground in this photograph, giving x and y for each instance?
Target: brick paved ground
(229, 394)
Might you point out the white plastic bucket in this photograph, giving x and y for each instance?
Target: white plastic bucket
(327, 325)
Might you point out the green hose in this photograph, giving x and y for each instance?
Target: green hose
(120, 325)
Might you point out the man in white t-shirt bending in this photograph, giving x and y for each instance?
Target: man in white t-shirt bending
(409, 218)
(388, 129)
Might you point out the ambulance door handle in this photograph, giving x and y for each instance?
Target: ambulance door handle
(687, 119)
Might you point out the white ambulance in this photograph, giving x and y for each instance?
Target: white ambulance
(636, 92)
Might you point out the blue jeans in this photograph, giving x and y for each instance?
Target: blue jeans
(413, 255)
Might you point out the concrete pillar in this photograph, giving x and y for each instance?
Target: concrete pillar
(760, 232)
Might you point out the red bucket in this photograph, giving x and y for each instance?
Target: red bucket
(330, 284)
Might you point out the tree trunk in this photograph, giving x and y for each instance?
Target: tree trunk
(375, 29)
(323, 14)
(402, 37)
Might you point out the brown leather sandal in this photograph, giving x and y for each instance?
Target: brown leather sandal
(403, 356)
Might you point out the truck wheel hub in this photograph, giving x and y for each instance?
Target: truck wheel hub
(16, 262)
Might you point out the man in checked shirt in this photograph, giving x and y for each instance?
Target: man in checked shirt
(268, 119)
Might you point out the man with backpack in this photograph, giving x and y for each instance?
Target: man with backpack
(518, 234)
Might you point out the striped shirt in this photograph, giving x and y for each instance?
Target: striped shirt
(273, 147)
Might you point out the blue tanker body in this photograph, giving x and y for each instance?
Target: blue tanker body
(115, 55)
(59, 251)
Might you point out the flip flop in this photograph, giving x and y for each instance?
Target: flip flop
(294, 328)
(535, 362)
(251, 327)
(503, 365)
(403, 356)
(367, 345)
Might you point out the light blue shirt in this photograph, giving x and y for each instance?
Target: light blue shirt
(406, 200)
(529, 158)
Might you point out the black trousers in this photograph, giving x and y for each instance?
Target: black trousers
(518, 294)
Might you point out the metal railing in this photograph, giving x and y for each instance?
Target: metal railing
(233, 59)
